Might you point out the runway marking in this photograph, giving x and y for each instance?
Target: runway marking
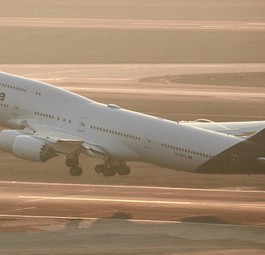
(108, 200)
(24, 208)
(159, 202)
(130, 24)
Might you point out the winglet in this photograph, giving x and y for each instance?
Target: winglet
(258, 137)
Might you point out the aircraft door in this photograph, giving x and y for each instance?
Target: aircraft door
(15, 108)
(82, 124)
(148, 141)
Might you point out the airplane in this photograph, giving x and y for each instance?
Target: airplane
(44, 121)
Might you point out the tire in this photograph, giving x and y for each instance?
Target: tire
(123, 170)
(76, 171)
(99, 169)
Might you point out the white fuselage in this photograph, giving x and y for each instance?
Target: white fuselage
(126, 135)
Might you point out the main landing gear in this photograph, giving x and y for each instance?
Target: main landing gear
(108, 170)
(73, 163)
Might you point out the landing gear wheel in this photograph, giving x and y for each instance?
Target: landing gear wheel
(123, 170)
(76, 171)
(99, 169)
(109, 171)
(72, 162)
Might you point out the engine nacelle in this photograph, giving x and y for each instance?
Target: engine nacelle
(30, 148)
(7, 138)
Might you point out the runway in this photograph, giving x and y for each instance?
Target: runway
(137, 201)
(103, 212)
(103, 201)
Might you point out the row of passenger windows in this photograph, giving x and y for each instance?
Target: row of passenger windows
(191, 152)
(105, 130)
(4, 105)
(13, 87)
(49, 116)
(17, 88)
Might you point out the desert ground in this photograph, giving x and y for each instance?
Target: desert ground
(180, 60)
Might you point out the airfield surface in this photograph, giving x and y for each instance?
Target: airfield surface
(182, 60)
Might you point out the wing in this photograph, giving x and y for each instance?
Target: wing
(62, 141)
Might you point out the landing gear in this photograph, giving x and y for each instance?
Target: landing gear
(123, 170)
(73, 163)
(105, 170)
(110, 170)
(111, 166)
(99, 169)
(76, 171)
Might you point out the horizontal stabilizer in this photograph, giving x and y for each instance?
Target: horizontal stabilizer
(258, 138)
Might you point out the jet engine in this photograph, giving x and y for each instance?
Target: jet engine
(7, 138)
(25, 146)
(30, 148)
